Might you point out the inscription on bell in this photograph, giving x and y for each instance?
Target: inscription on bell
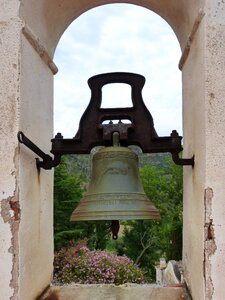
(115, 191)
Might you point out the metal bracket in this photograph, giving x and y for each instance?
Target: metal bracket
(183, 161)
(175, 155)
(94, 132)
(47, 161)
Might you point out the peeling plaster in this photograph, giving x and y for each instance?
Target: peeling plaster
(10, 212)
(9, 115)
(209, 243)
(5, 211)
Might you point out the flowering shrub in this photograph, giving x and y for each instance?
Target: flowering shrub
(80, 265)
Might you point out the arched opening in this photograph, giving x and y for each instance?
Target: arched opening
(41, 33)
(114, 38)
(120, 40)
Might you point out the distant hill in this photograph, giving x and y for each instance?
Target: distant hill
(81, 163)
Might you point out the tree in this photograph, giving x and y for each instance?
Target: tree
(148, 240)
(68, 191)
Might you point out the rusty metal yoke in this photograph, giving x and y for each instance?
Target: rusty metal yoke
(93, 132)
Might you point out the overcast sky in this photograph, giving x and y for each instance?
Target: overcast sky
(118, 38)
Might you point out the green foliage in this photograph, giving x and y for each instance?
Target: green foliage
(148, 240)
(100, 236)
(68, 190)
(67, 194)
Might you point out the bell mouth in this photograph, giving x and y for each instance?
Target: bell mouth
(115, 206)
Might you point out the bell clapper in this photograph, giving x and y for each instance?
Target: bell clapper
(115, 227)
(116, 139)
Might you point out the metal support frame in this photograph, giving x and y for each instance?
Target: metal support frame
(93, 132)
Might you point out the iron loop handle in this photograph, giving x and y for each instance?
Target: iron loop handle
(20, 136)
(27, 142)
(133, 79)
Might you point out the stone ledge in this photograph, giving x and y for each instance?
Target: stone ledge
(112, 292)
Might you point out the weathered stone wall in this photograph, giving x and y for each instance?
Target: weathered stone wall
(10, 32)
(214, 242)
(193, 76)
(204, 111)
(26, 232)
(36, 187)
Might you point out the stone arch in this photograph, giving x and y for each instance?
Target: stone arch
(54, 17)
(30, 31)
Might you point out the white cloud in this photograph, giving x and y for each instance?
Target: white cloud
(113, 38)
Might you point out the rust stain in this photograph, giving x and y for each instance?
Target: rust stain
(15, 207)
(50, 295)
(53, 296)
(210, 233)
(187, 292)
(9, 206)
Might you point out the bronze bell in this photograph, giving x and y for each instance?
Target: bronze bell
(115, 191)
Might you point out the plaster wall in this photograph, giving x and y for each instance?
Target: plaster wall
(215, 150)
(204, 188)
(26, 232)
(36, 187)
(10, 30)
(193, 77)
